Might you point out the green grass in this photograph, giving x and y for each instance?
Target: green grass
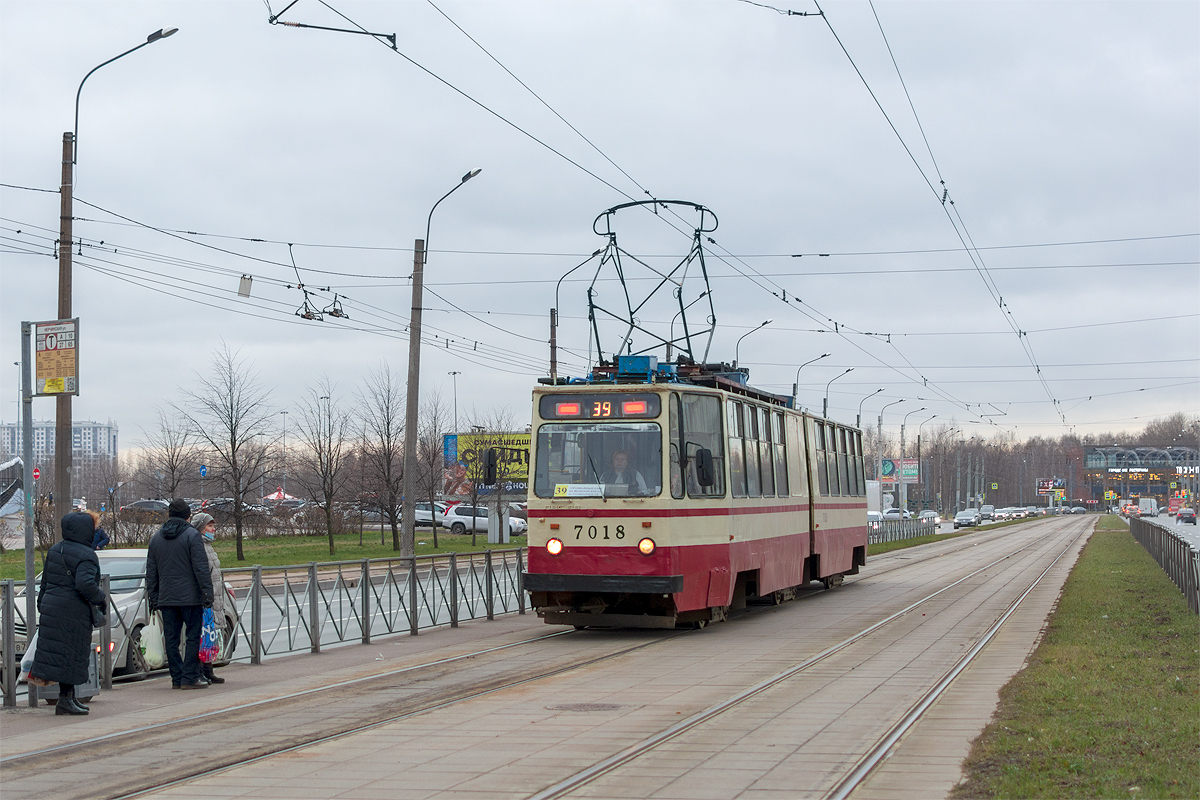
(887, 547)
(277, 551)
(1109, 704)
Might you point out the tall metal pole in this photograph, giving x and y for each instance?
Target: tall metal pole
(62, 410)
(283, 488)
(825, 405)
(454, 379)
(27, 481)
(903, 485)
(408, 508)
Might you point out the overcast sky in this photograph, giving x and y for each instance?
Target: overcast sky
(1057, 128)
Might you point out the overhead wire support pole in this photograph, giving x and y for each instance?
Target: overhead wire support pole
(274, 19)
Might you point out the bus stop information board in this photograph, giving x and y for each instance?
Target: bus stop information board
(56, 357)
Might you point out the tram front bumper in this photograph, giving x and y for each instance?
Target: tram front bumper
(622, 584)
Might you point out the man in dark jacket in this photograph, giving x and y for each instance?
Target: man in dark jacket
(178, 585)
(70, 584)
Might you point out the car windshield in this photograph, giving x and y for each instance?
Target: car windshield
(123, 572)
(599, 460)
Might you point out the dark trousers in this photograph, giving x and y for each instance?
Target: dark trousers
(186, 669)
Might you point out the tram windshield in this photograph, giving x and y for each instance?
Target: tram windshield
(599, 460)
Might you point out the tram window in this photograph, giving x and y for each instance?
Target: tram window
(598, 459)
(851, 464)
(676, 448)
(750, 450)
(702, 429)
(862, 475)
(822, 472)
(766, 454)
(843, 456)
(835, 486)
(781, 476)
(737, 465)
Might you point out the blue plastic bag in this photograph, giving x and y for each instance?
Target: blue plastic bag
(210, 638)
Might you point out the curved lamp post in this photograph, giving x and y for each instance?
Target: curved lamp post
(903, 485)
(796, 383)
(737, 346)
(409, 501)
(879, 445)
(858, 419)
(825, 405)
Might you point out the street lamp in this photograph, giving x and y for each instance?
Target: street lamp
(903, 485)
(796, 384)
(62, 414)
(409, 501)
(879, 446)
(921, 467)
(825, 406)
(736, 347)
(454, 378)
(283, 488)
(858, 419)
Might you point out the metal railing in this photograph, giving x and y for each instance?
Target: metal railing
(302, 607)
(894, 530)
(1174, 554)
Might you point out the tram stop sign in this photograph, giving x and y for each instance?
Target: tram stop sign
(37, 473)
(203, 470)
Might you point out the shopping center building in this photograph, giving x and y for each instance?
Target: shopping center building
(1133, 472)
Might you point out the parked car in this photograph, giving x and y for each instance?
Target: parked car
(137, 638)
(930, 515)
(894, 513)
(967, 518)
(426, 517)
(1186, 515)
(462, 518)
(145, 511)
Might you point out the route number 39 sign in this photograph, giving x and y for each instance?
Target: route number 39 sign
(56, 357)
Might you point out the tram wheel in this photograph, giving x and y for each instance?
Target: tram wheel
(699, 624)
(581, 627)
(832, 582)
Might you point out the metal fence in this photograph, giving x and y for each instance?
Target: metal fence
(894, 530)
(1174, 554)
(303, 607)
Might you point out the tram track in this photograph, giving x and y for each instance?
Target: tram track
(878, 750)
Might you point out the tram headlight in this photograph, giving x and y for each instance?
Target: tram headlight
(646, 546)
(554, 546)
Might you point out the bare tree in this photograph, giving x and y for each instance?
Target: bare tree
(381, 404)
(227, 410)
(430, 457)
(170, 453)
(325, 444)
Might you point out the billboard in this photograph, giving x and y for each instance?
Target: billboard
(910, 471)
(1054, 486)
(463, 457)
(889, 470)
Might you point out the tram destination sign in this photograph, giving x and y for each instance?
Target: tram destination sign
(600, 406)
(56, 357)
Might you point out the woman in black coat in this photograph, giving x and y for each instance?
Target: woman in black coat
(70, 587)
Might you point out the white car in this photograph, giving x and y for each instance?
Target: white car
(929, 515)
(463, 517)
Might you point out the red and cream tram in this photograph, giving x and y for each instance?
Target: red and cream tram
(667, 495)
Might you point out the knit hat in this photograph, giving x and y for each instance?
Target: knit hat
(201, 520)
(179, 508)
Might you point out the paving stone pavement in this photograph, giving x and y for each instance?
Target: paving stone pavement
(786, 742)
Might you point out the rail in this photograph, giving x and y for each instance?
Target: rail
(290, 609)
(1174, 554)
(894, 530)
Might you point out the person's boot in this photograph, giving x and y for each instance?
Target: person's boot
(65, 706)
(208, 673)
(74, 698)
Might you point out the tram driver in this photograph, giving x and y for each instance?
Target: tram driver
(622, 474)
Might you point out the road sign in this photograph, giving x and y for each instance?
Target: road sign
(203, 470)
(995, 486)
(56, 357)
(37, 473)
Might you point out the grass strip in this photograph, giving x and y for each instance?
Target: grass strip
(887, 547)
(275, 551)
(1109, 703)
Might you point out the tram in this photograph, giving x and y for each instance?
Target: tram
(665, 495)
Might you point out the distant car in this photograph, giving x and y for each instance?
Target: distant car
(930, 516)
(967, 518)
(1186, 515)
(145, 511)
(425, 517)
(1078, 510)
(874, 520)
(987, 512)
(894, 513)
(462, 518)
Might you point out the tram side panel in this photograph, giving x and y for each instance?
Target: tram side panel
(839, 529)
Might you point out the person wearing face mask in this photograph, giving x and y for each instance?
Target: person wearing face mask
(208, 531)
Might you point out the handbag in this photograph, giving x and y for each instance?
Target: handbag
(210, 640)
